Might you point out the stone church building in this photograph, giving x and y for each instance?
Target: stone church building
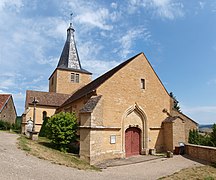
(125, 112)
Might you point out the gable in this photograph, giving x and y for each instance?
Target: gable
(4, 98)
(130, 78)
(92, 86)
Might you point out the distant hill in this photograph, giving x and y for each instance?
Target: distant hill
(205, 128)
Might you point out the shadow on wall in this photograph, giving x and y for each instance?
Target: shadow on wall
(159, 145)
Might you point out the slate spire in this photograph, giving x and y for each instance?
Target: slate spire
(69, 57)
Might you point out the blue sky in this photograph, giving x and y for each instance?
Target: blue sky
(177, 36)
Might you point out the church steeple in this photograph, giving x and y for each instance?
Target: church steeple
(69, 57)
(69, 74)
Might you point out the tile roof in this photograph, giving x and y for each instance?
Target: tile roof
(90, 105)
(184, 116)
(171, 119)
(3, 100)
(46, 98)
(97, 82)
(69, 58)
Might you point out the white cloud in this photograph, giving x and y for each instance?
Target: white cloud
(114, 5)
(202, 4)
(169, 9)
(90, 14)
(127, 40)
(7, 83)
(201, 114)
(96, 18)
(89, 50)
(11, 4)
(99, 67)
(205, 109)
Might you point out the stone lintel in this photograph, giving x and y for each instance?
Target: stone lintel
(155, 128)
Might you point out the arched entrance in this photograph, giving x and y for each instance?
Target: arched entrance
(132, 141)
(135, 117)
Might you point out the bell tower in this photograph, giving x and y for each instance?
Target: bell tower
(69, 74)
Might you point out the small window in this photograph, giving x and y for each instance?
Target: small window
(44, 115)
(142, 83)
(72, 77)
(77, 78)
(112, 139)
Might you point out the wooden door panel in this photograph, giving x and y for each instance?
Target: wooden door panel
(132, 141)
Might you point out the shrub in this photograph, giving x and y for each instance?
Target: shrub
(5, 125)
(43, 130)
(213, 135)
(62, 129)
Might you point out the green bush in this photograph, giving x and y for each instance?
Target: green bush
(16, 127)
(5, 125)
(61, 129)
(43, 130)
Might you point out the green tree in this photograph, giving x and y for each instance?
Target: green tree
(194, 137)
(62, 130)
(213, 135)
(176, 105)
(43, 130)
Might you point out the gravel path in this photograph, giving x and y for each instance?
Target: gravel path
(15, 164)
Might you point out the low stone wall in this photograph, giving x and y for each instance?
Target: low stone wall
(206, 153)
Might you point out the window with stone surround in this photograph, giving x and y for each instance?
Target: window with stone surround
(75, 78)
(72, 77)
(142, 83)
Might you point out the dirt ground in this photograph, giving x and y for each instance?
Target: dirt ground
(15, 164)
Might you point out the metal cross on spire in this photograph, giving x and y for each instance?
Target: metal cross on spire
(71, 18)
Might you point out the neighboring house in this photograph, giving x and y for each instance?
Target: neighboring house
(125, 112)
(7, 108)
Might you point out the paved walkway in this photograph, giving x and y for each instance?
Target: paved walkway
(15, 164)
(127, 161)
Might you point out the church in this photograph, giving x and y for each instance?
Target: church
(125, 112)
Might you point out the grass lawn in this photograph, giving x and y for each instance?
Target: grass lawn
(198, 173)
(43, 149)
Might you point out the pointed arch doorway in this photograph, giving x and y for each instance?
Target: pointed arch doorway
(132, 141)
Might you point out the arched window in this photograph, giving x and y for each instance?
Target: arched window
(44, 115)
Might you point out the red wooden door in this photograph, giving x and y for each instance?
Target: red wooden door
(132, 141)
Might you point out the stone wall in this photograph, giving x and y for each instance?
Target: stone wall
(168, 136)
(189, 123)
(206, 153)
(178, 132)
(123, 90)
(8, 113)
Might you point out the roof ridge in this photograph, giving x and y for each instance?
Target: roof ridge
(46, 92)
(185, 115)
